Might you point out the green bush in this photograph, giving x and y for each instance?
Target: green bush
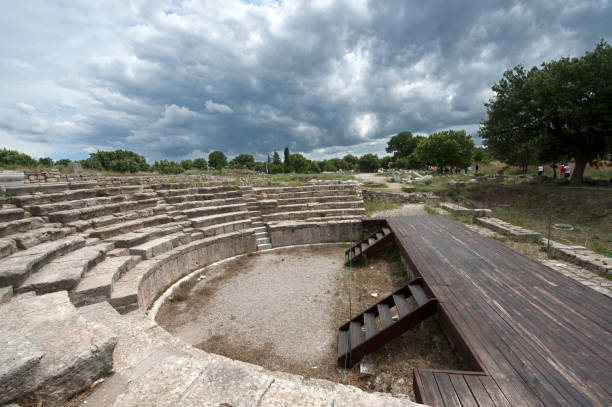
(15, 158)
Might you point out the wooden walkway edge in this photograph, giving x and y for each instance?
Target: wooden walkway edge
(529, 335)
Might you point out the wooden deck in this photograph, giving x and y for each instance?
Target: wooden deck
(529, 335)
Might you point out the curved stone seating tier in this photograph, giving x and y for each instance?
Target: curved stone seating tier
(9, 214)
(27, 189)
(46, 209)
(188, 197)
(19, 226)
(15, 268)
(292, 233)
(179, 207)
(139, 286)
(321, 213)
(100, 210)
(40, 199)
(64, 272)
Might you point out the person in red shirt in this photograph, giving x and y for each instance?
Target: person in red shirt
(562, 170)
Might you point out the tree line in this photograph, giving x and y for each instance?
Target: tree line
(553, 114)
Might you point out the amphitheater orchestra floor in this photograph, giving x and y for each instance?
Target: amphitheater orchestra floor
(529, 335)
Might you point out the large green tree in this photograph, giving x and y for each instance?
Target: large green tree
(243, 161)
(217, 160)
(369, 163)
(562, 110)
(446, 148)
(403, 144)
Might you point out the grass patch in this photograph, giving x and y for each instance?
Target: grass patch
(377, 206)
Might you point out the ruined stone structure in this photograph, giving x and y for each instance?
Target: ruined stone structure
(68, 248)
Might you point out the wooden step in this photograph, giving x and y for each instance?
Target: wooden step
(418, 293)
(361, 343)
(369, 245)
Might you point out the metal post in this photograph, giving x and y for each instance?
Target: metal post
(549, 223)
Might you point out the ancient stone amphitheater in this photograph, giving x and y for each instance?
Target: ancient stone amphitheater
(82, 262)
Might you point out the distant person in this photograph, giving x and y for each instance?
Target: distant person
(476, 168)
(562, 170)
(540, 169)
(469, 170)
(567, 171)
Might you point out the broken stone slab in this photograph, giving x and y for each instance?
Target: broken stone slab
(95, 285)
(514, 233)
(35, 237)
(9, 214)
(19, 226)
(460, 210)
(6, 293)
(75, 352)
(14, 269)
(7, 247)
(65, 272)
(18, 359)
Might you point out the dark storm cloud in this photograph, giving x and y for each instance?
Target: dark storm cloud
(180, 79)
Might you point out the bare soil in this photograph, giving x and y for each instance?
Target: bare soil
(281, 310)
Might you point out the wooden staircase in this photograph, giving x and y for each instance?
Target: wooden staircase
(382, 322)
(369, 246)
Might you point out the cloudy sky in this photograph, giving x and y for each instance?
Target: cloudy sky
(178, 79)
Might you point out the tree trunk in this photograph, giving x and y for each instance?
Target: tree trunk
(578, 171)
(554, 167)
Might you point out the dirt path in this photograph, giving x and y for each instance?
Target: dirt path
(372, 177)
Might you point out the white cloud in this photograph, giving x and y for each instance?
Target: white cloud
(217, 107)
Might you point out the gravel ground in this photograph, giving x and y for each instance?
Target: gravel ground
(278, 303)
(406, 210)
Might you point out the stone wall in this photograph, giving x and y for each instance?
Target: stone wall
(290, 233)
(373, 195)
(47, 176)
(165, 269)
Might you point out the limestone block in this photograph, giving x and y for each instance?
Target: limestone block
(54, 353)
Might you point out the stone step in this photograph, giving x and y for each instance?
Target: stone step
(229, 195)
(129, 226)
(213, 210)
(99, 210)
(160, 245)
(124, 290)
(20, 226)
(49, 351)
(14, 269)
(46, 209)
(259, 235)
(7, 247)
(95, 285)
(311, 213)
(27, 189)
(9, 214)
(262, 240)
(210, 220)
(258, 223)
(143, 235)
(227, 227)
(40, 199)
(260, 229)
(264, 246)
(64, 272)
(34, 237)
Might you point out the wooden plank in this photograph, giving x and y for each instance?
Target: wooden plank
(463, 391)
(494, 391)
(385, 316)
(478, 391)
(447, 391)
(429, 391)
(418, 293)
(370, 324)
(342, 343)
(403, 308)
(356, 334)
